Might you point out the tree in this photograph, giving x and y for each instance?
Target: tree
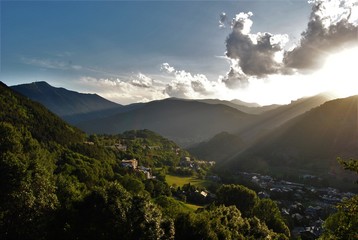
(344, 223)
(267, 211)
(28, 197)
(243, 198)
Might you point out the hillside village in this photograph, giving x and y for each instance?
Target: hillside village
(305, 205)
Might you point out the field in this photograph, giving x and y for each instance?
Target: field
(192, 206)
(179, 181)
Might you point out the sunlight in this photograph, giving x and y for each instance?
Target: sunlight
(340, 73)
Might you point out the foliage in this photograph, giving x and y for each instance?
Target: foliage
(56, 185)
(267, 211)
(221, 223)
(28, 191)
(346, 215)
(243, 198)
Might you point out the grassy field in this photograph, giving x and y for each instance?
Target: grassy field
(180, 181)
(192, 206)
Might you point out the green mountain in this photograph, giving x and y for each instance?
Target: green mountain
(69, 105)
(185, 122)
(309, 143)
(43, 125)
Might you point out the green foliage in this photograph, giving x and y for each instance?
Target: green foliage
(132, 184)
(55, 185)
(43, 125)
(28, 191)
(150, 148)
(346, 215)
(267, 211)
(243, 198)
(221, 223)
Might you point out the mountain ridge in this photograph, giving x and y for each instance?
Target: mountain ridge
(66, 103)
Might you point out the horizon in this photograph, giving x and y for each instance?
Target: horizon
(128, 54)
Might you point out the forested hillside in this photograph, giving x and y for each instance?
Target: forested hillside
(69, 105)
(57, 183)
(185, 122)
(309, 143)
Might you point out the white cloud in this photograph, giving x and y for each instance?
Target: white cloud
(141, 80)
(165, 67)
(123, 92)
(187, 85)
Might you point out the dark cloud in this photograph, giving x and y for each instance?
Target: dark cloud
(326, 33)
(333, 25)
(251, 54)
(235, 78)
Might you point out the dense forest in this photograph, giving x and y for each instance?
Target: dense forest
(58, 183)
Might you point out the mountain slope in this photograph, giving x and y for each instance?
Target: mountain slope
(218, 148)
(309, 142)
(71, 106)
(276, 117)
(258, 127)
(43, 125)
(250, 108)
(185, 122)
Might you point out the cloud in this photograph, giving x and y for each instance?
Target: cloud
(46, 63)
(124, 92)
(141, 80)
(251, 54)
(222, 20)
(333, 25)
(165, 67)
(187, 85)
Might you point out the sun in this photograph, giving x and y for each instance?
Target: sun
(340, 73)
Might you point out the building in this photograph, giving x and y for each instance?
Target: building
(133, 163)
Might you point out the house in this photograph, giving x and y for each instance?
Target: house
(133, 163)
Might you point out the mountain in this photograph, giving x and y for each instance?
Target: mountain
(70, 105)
(246, 104)
(269, 120)
(258, 127)
(251, 108)
(185, 122)
(309, 143)
(43, 125)
(218, 148)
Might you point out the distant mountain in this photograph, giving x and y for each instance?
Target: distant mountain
(251, 108)
(308, 143)
(258, 127)
(218, 148)
(271, 119)
(43, 125)
(70, 105)
(246, 104)
(185, 122)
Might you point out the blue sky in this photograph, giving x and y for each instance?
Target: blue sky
(117, 48)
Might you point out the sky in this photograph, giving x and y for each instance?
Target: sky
(263, 51)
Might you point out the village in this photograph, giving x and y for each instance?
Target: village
(306, 206)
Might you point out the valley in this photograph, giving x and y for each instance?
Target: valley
(286, 155)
